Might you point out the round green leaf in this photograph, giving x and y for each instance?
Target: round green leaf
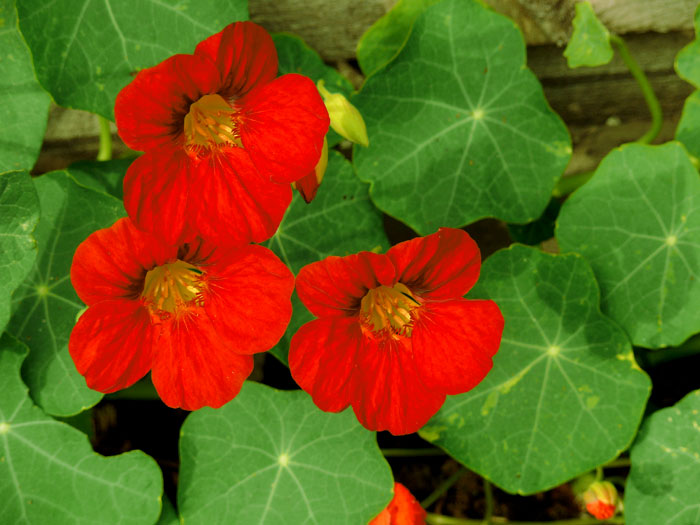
(24, 105)
(662, 487)
(460, 131)
(590, 42)
(46, 304)
(49, 472)
(272, 457)
(382, 41)
(339, 221)
(19, 214)
(85, 52)
(637, 222)
(564, 395)
(296, 57)
(688, 59)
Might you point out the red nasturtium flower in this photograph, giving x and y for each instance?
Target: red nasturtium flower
(394, 333)
(403, 509)
(191, 314)
(223, 139)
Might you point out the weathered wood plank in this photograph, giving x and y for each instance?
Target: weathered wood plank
(333, 27)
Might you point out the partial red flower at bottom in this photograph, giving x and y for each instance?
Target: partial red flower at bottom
(394, 333)
(404, 509)
(191, 314)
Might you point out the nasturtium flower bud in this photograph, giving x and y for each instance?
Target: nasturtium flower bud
(601, 500)
(345, 118)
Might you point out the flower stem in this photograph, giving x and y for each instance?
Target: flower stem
(412, 452)
(647, 90)
(442, 488)
(652, 358)
(619, 462)
(566, 185)
(439, 519)
(105, 152)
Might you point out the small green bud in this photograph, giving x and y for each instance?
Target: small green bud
(345, 119)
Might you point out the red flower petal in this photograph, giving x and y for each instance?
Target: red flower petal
(249, 298)
(194, 367)
(111, 345)
(156, 191)
(244, 54)
(230, 202)
(453, 343)
(336, 285)
(283, 124)
(307, 186)
(388, 393)
(403, 509)
(322, 358)
(443, 265)
(150, 111)
(102, 269)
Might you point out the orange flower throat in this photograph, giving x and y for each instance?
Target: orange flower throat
(390, 309)
(173, 289)
(210, 123)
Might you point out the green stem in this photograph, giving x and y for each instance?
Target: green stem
(488, 495)
(619, 462)
(599, 473)
(654, 357)
(412, 452)
(568, 184)
(647, 90)
(444, 487)
(105, 152)
(439, 519)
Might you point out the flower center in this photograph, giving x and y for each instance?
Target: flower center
(173, 288)
(389, 308)
(210, 123)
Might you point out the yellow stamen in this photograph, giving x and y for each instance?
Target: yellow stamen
(211, 123)
(390, 310)
(173, 289)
